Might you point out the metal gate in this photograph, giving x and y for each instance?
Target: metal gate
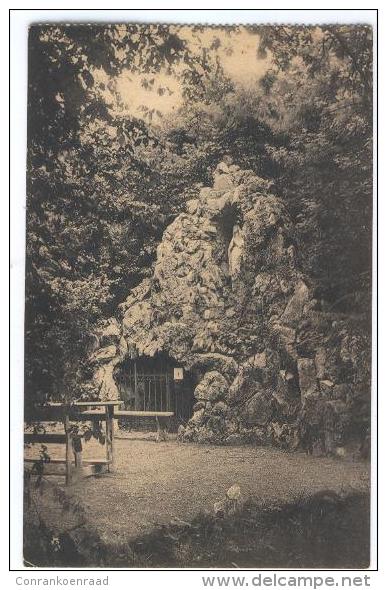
(149, 385)
(146, 392)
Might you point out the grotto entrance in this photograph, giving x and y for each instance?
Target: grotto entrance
(157, 384)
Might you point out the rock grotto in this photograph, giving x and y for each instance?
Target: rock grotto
(229, 305)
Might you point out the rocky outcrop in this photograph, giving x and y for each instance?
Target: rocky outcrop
(228, 301)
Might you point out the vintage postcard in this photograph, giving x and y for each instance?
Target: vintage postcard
(198, 296)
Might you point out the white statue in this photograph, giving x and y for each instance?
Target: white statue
(235, 251)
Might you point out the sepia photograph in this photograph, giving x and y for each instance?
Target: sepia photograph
(198, 296)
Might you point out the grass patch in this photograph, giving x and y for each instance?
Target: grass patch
(324, 530)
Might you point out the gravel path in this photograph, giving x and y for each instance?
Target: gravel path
(154, 483)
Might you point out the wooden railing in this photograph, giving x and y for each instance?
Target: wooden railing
(73, 465)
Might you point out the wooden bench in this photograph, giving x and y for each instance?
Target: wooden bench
(145, 413)
(74, 466)
(58, 467)
(161, 418)
(73, 444)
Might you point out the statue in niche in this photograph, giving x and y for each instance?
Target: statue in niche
(235, 251)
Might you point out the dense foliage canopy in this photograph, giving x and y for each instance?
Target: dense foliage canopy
(104, 181)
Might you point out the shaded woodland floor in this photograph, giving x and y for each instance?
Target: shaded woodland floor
(157, 509)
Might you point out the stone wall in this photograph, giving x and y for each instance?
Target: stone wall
(228, 301)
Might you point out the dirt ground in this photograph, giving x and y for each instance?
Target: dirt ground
(156, 483)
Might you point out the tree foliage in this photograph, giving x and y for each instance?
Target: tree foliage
(103, 183)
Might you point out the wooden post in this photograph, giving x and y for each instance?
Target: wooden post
(161, 434)
(78, 472)
(111, 418)
(109, 413)
(68, 447)
(107, 434)
(158, 434)
(77, 448)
